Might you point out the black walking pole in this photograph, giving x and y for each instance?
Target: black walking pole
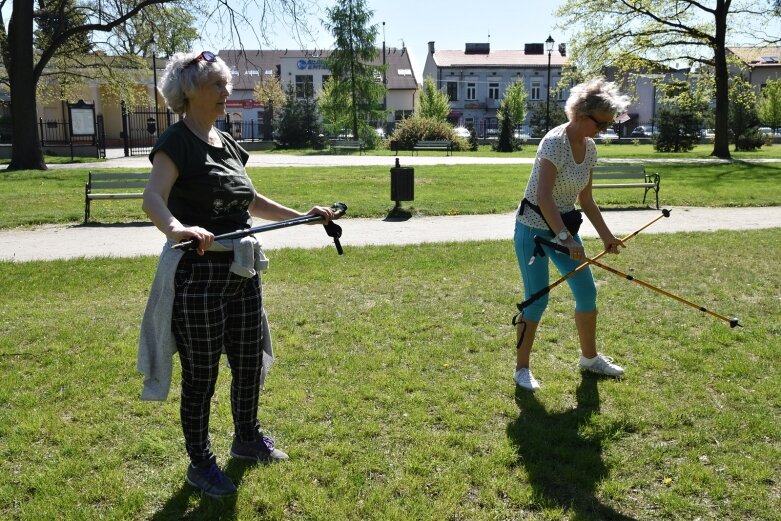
(332, 229)
(544, 291)
(733, 322)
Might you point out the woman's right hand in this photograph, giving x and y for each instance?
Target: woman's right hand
(576, 250)
(204, 237)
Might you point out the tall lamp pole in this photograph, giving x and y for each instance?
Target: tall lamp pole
(548, 47)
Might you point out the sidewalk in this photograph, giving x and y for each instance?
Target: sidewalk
(66, 242)
(116, 159)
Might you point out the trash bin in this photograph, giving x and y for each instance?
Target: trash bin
(402, 183)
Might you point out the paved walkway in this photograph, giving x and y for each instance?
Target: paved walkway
(63, 242)
(117, 160)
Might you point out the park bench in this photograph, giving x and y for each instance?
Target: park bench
(347, 144)
(626, 176)
(113, 185)
(445, 145)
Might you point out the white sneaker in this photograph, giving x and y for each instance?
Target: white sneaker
(600, 364)
(524, 378)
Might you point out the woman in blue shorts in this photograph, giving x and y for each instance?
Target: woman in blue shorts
(560, 177)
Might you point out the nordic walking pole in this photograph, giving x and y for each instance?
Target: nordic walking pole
(733, 322)
(332, 229)
(536, 296)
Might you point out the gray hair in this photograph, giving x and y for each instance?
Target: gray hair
(182, 77)
(595, 95)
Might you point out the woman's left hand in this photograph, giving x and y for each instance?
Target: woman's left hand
(326, 213)
(612, 244)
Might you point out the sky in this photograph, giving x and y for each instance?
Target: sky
(450, 24)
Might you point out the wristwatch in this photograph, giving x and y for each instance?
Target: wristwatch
(563, 235)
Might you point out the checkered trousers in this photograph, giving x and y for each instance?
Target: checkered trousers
(214, 308)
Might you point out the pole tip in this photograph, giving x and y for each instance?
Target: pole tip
(733, 323)
(666, 212)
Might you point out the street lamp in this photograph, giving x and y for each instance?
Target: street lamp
(548, 47)
(153, 48)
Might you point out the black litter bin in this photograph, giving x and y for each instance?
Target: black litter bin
(402, 183)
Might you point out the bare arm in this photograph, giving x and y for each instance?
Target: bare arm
(592, 211)
(155, 204)
(271, 210)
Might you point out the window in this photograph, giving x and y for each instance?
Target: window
(305, 87)
(404, 72)
(469, 122)
(493, 90)
(402, 114)
(471, 91)
(452, 90)
(536, 88)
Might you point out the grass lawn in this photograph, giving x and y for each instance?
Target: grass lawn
(57, 196)
(393, 391)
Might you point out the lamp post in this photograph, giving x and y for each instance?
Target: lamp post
(548, 47)
(153, 48)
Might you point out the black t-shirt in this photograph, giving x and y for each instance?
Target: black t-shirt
(212, 190)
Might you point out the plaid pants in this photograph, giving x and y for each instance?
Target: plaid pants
(214, 308)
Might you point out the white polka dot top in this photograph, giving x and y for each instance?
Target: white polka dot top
(572, 177)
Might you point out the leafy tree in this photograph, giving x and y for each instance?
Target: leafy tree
(299, 124)
(270, 94)
(351, 60)
(434, 103)
(170, 27)
(27, 56)
(505, 142)
(513, 103)
(743, 117)
(538, 115)
(334, 105)
(769, 107)
(679, 117)
(631, 35)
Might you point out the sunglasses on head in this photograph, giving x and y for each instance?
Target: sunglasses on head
(204, 56)
(601, 125)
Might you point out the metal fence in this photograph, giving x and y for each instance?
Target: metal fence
(58, 133)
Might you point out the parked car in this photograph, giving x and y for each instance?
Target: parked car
(708, 133)
(462, 132)
(519, 134)
(608, 134)
(767, 131)
(380, 132)
(641, 131)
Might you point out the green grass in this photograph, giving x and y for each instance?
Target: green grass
(57, 196)
(393, 391)
(62, 160)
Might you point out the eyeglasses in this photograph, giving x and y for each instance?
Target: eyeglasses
(204, 56)
(601, 125)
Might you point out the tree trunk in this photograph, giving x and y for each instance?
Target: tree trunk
(721, 75)
(26, 153)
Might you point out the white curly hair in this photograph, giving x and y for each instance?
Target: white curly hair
(185, 73)
(595, 95)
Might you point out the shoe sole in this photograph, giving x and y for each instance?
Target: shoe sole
(210, 494)
(599, 373)
(267, 459)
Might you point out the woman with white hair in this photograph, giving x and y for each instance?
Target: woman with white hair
(198, 188)
(561, 176)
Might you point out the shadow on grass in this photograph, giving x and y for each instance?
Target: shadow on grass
(564, 466)
(179, 507)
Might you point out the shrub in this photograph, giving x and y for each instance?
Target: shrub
(414, 129)
(748, 141)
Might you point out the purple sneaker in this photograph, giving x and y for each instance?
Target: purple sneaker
(209, 479)
(260, 450)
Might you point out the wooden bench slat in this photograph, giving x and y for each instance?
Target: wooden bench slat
(438, 144)
(112, 181)
(618, 171)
